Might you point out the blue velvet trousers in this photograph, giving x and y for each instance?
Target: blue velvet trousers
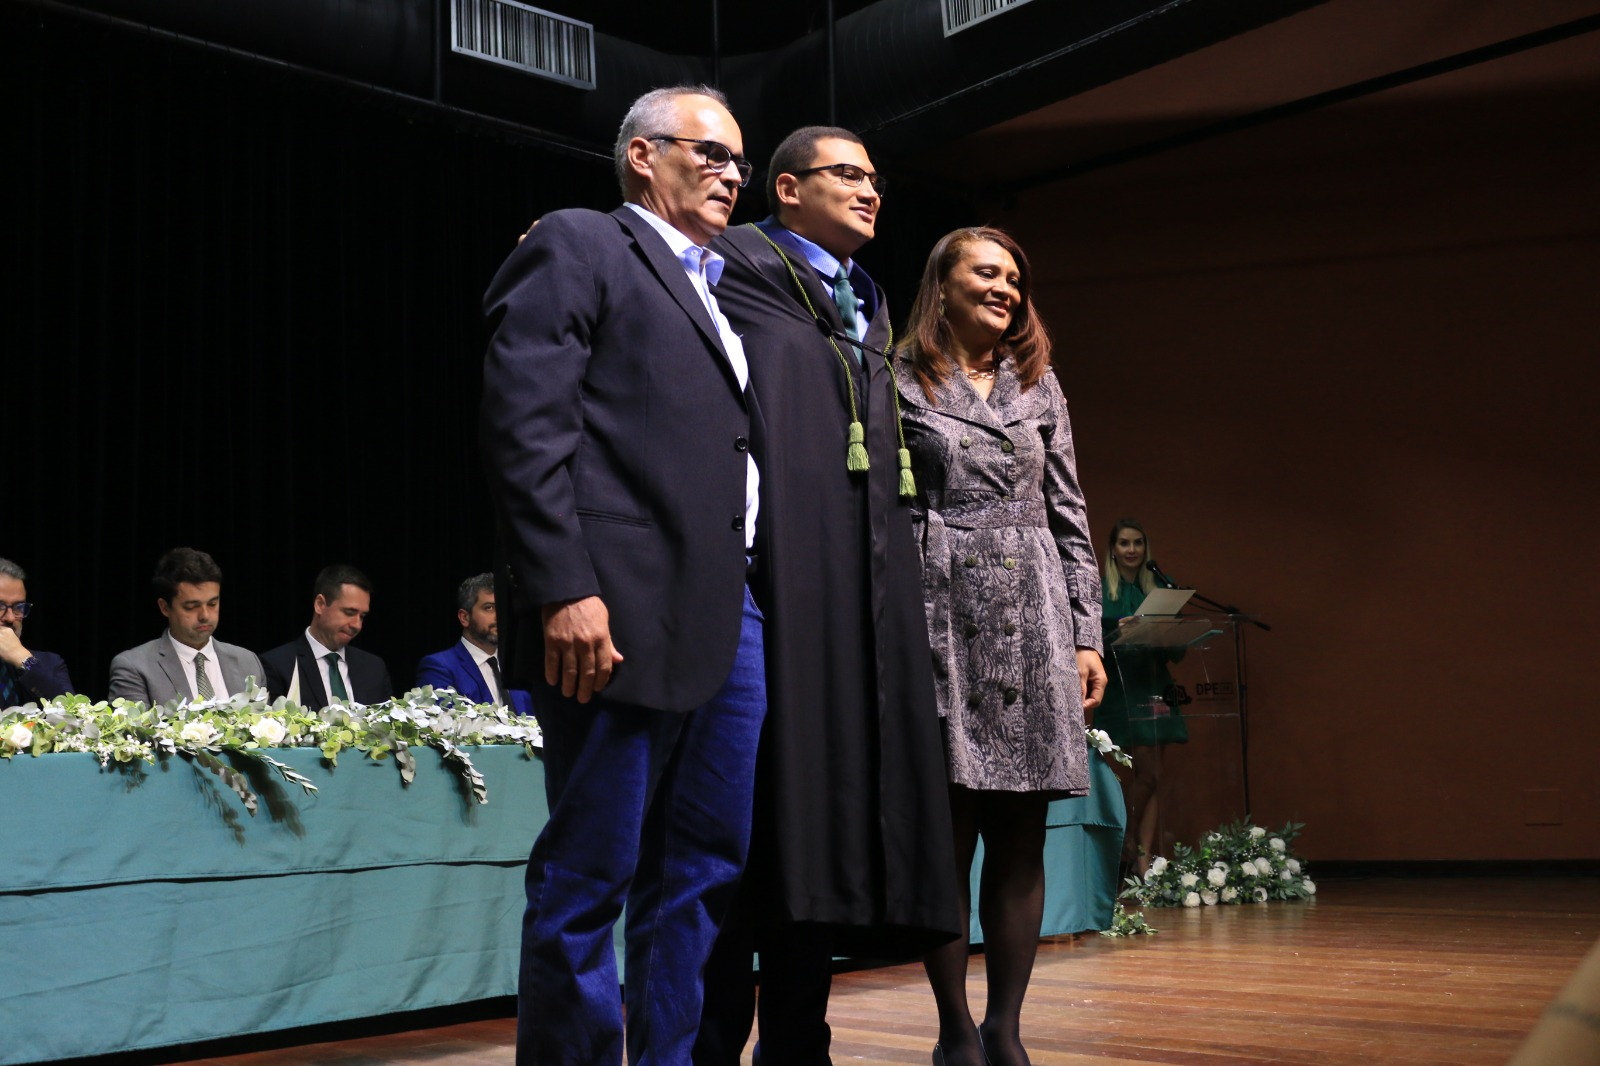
(650, 808)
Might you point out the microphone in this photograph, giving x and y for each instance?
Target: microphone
(1161, 578)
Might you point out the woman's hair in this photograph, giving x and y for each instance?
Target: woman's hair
(1113, 583)
(928, 333)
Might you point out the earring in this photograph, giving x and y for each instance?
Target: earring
(941, 305)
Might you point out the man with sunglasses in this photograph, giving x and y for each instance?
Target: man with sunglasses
(617, 425)
(25, 676)
(851, 851)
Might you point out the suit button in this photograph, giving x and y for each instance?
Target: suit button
(1011, 628)
(966, 442)
(974, 699)
(1010, 695)
(972, 560)
(972, 629)
(741, 444)
(738, 523)
(1007, 446)
(1010, 564)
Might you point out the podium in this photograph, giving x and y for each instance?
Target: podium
(1181, 680)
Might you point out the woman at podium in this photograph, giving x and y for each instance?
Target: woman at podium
(1013, 595)
(1140, 710)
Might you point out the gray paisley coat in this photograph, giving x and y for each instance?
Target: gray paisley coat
(1010, 584)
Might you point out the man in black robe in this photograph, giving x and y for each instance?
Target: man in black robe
(851, 852)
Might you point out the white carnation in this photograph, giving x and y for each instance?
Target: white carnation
(1256, 832)
(1264, 867)
(1208, 898)
(1229, 894)
(1189, 880)
(1292, 865)
(199, 733)
(1286, 876)
(19, 737)
(1192, 900)
(269, 732)
(1159, 866)
(1217, 876)
(1277, 844)
(1310, 886)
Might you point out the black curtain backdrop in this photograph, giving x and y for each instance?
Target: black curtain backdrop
(244, 316)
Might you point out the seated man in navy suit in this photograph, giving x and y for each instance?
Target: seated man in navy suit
(471, 666)
(25, 676)
(319, 666)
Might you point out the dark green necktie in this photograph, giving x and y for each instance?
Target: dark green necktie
(845, 297)
(335, 678)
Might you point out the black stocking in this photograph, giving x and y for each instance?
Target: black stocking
(947, 966)
(1011, 909)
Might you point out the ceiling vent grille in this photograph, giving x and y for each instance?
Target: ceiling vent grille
(962, 14)
(527, 38)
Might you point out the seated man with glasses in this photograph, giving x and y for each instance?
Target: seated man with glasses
(25, 676)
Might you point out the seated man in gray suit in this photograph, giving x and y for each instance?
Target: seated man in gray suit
(185, 662)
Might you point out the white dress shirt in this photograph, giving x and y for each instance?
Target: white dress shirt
(482, 657)
(186, 656)
(317, 652)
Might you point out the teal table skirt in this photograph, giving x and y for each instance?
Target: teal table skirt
(141, 909)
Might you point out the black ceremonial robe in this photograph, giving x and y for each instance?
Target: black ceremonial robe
(852, 826)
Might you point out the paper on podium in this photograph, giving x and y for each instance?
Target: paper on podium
(1164, 601)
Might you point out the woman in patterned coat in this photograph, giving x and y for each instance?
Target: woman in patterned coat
(1012, 594)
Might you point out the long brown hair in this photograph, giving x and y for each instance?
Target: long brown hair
(928, 333)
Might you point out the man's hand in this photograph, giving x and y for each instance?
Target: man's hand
(578, 653)
(11, 649)
(1092, 674)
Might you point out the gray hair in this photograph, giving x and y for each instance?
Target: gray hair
(467, 594)
(11, 569)
(652, 113)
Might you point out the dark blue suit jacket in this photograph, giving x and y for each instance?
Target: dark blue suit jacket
(47, 680)
(615, 435)
(454, 668)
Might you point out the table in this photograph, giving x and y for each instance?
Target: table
(141, 908)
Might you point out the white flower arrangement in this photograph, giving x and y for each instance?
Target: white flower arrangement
(246, 724)
(1237, 863)
(1101, 741)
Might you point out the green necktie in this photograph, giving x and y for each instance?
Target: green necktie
(845, 297)
(202, 682)
(335, 678)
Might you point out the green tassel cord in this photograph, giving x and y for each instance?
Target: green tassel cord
(856, 460)
(856, 455)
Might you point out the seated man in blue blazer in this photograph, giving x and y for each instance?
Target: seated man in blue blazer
(320, 662)
(25, 676)
(471, 666)
(185, 662)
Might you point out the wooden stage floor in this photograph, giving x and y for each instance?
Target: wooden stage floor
(1446, 970)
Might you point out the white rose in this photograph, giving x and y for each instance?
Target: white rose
(1293, 865)
(1217, 877)
(1264, 867)
(1192, 900)
(1310, 886)
(19, 737)
(1277, 844)
(1208, 898)
(1159, 866)
(1256, 832)
(1248, 870)
(1229, 894)
(1286, 876)
(1189, 880)
(198, 733)
(1259, 895)
(269, 732)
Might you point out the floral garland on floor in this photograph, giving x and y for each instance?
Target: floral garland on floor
(248, 723)
(1238, 863)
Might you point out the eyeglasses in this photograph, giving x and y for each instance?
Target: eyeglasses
(20, 609)
(713, 155)
(849, 175)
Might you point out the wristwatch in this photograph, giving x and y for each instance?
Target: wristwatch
(29, 663)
